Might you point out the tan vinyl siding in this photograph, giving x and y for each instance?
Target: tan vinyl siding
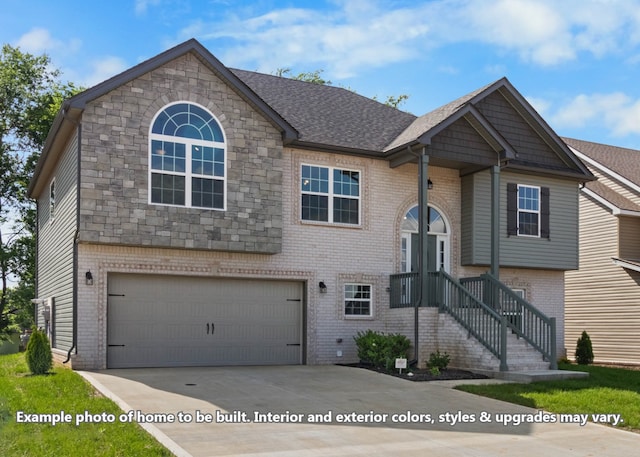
(603, 298)
(55, 246)
(629, 244)
(559, 252)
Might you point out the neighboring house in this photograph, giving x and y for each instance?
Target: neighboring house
(191, 214)
(603, 296)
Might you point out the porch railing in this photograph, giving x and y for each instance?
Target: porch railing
(522, 318)
(482, 322)
(405, 290)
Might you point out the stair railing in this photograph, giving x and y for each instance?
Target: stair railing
(482, 322)
(525, 320)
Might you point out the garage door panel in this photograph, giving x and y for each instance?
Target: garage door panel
(181, 321)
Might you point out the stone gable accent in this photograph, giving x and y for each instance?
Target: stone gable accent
(115, 206)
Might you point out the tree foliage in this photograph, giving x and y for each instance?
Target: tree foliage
(316, 78)
(30, 96)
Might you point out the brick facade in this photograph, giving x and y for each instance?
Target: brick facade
(314, 252)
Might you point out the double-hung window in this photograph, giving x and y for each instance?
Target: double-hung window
(357, 300)
(528, 211)
(330, 195)
(187, 158)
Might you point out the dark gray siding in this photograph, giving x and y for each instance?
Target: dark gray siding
(513, 127)
(559, 252)
(55, 245)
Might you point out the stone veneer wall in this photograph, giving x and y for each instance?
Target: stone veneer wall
(115, 162)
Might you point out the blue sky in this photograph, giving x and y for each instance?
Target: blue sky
(576, 61)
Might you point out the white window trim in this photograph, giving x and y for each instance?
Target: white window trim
(370, 300)
(188, 175)
(330, 196)
(52, 200)
(520, 186)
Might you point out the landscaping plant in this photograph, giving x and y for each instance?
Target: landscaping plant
(39, 357)
(438, 362)
(584, 350)
(381, 350)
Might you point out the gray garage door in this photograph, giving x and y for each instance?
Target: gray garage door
(168, 321)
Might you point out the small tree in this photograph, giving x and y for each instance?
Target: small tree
(39, 357)
(584, 350)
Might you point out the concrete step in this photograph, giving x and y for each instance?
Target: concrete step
(527, 376)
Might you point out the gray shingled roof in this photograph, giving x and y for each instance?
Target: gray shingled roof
(624, 161)
(427, 121)
(329, 116)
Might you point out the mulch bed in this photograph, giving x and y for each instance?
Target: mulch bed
(420, 374)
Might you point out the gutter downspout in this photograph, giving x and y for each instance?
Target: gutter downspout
(74, 329)
(423, 223)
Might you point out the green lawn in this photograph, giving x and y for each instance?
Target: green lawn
(62, 390)
(605, 391)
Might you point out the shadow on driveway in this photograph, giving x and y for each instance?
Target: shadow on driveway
(324, 410)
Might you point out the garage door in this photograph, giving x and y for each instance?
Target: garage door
(168, 321)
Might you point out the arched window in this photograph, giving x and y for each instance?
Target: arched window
(437, 241)
(187, 158)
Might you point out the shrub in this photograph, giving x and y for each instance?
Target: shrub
(381, 350)
(584, 350)
(438, 361)
(39, 357)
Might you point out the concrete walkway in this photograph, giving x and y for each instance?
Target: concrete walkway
(265, 411)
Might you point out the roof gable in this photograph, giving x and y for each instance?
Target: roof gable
(618, 188)
(504, 118)
(623, 161)
(79, 101)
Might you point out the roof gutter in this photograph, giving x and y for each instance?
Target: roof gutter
(58, 121)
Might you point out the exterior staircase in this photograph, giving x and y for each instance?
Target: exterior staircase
(513, 335)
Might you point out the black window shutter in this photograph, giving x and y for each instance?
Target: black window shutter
(512, 209)
(544, 212)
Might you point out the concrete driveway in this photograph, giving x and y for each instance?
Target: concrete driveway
(337, 411)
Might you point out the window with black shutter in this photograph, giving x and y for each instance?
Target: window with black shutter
(527, 211)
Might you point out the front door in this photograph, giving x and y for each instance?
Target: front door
(437, 242)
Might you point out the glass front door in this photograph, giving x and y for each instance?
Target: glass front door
(437, 242)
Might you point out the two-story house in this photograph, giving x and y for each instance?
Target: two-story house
(603, 296)
(193, 214)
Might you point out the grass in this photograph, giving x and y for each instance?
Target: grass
(62, 390)
(606, 391)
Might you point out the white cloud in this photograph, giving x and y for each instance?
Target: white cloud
(616, 111)
(142, 5)
(104, 69)
(364, 34)
(341, 42)
(39, 40)
(541, 105)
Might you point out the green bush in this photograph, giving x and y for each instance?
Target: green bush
(381, 350)
(39, 357)
(438, 361)
(584, 350)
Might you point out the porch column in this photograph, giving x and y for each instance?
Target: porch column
(423, 224)
(495, 221)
